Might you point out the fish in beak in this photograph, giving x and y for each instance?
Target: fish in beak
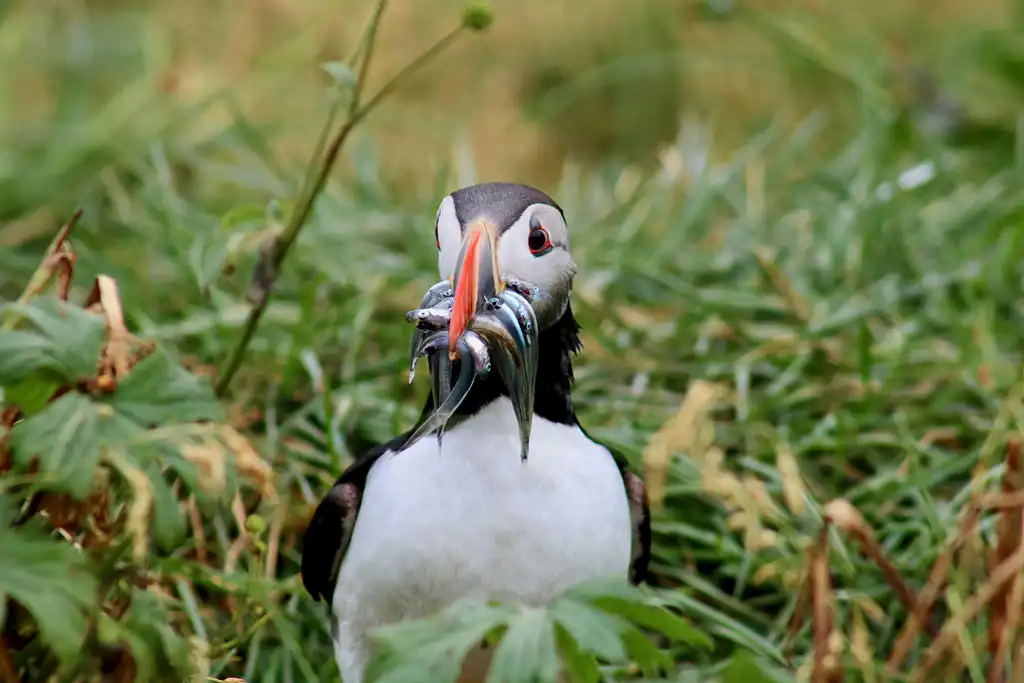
(488, 324)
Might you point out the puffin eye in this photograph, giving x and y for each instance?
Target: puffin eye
(539, 241)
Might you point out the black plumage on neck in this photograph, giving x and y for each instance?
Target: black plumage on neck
(552, 396)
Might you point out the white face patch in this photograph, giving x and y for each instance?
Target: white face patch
(551, 270)
(449, 237)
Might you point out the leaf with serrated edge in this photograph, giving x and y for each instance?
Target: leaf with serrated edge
(744, 667)
(527, 651)
(657, 618)
(23, 353)
(647, 656)
(159, 391)
(168, 524)
(593, 630)
(612, 587)
(417, 655)
(66, 439)
(50, 579)
(76, 336)
(578, 666)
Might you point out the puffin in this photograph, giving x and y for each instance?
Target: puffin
(497, 492)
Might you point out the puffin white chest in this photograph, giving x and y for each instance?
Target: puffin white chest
(474, 521)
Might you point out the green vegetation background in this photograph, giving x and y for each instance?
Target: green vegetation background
(807, 217)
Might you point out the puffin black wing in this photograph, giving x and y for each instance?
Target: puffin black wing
(640, 516)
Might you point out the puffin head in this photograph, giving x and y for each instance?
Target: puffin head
(493, 234)
(499, 323)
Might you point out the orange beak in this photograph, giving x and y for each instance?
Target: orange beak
(476, 278)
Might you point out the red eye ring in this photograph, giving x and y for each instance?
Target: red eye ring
(539, 241)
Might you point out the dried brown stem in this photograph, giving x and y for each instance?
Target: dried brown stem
(845, 517)
(119, 353)
(780, 280)
(826, 667)
(1008, 542)
(1000, 578)
(1009, 632)
(197, 528)
(937, 577)
(796, 622)
(58, 262)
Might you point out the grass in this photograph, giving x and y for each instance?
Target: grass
(823, 306)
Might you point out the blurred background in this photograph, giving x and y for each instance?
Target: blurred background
(160, 117)
(817, 204)
(88, 85)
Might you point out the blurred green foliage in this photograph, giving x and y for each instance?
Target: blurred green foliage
(819, 210)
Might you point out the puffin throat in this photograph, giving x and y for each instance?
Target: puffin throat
(552, 394)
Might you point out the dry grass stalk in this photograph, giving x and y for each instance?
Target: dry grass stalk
(794, 302)
(249, 463)
(208, 457)
(793, 491)
(123, 349)
(951, 630)
(683, 432)
(141, 508)
(937, 577)
(1008, 542)
(827, 641)
(1008, 635)
(861, 647)
(197, 529)
(803, 602)
(235, 551)
(1017, 665)
(845, 517)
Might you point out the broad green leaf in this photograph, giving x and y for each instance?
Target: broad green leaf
(168, 524)
(65, 438)
(432, 650)
(527, 651)
(158, 651)
(243, 217)
(611, 587)
(50, 578)
(744, 667)
(58, 339)
(593, 630)
(76, 335)
(30, 394)
(646, 654)
(158, 391)
(659, 619)
(578, 666)
(23, 353)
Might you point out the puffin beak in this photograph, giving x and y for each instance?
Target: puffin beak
(476, 278)
(489, 325)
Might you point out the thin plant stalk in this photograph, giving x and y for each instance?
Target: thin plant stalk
(357, 113)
